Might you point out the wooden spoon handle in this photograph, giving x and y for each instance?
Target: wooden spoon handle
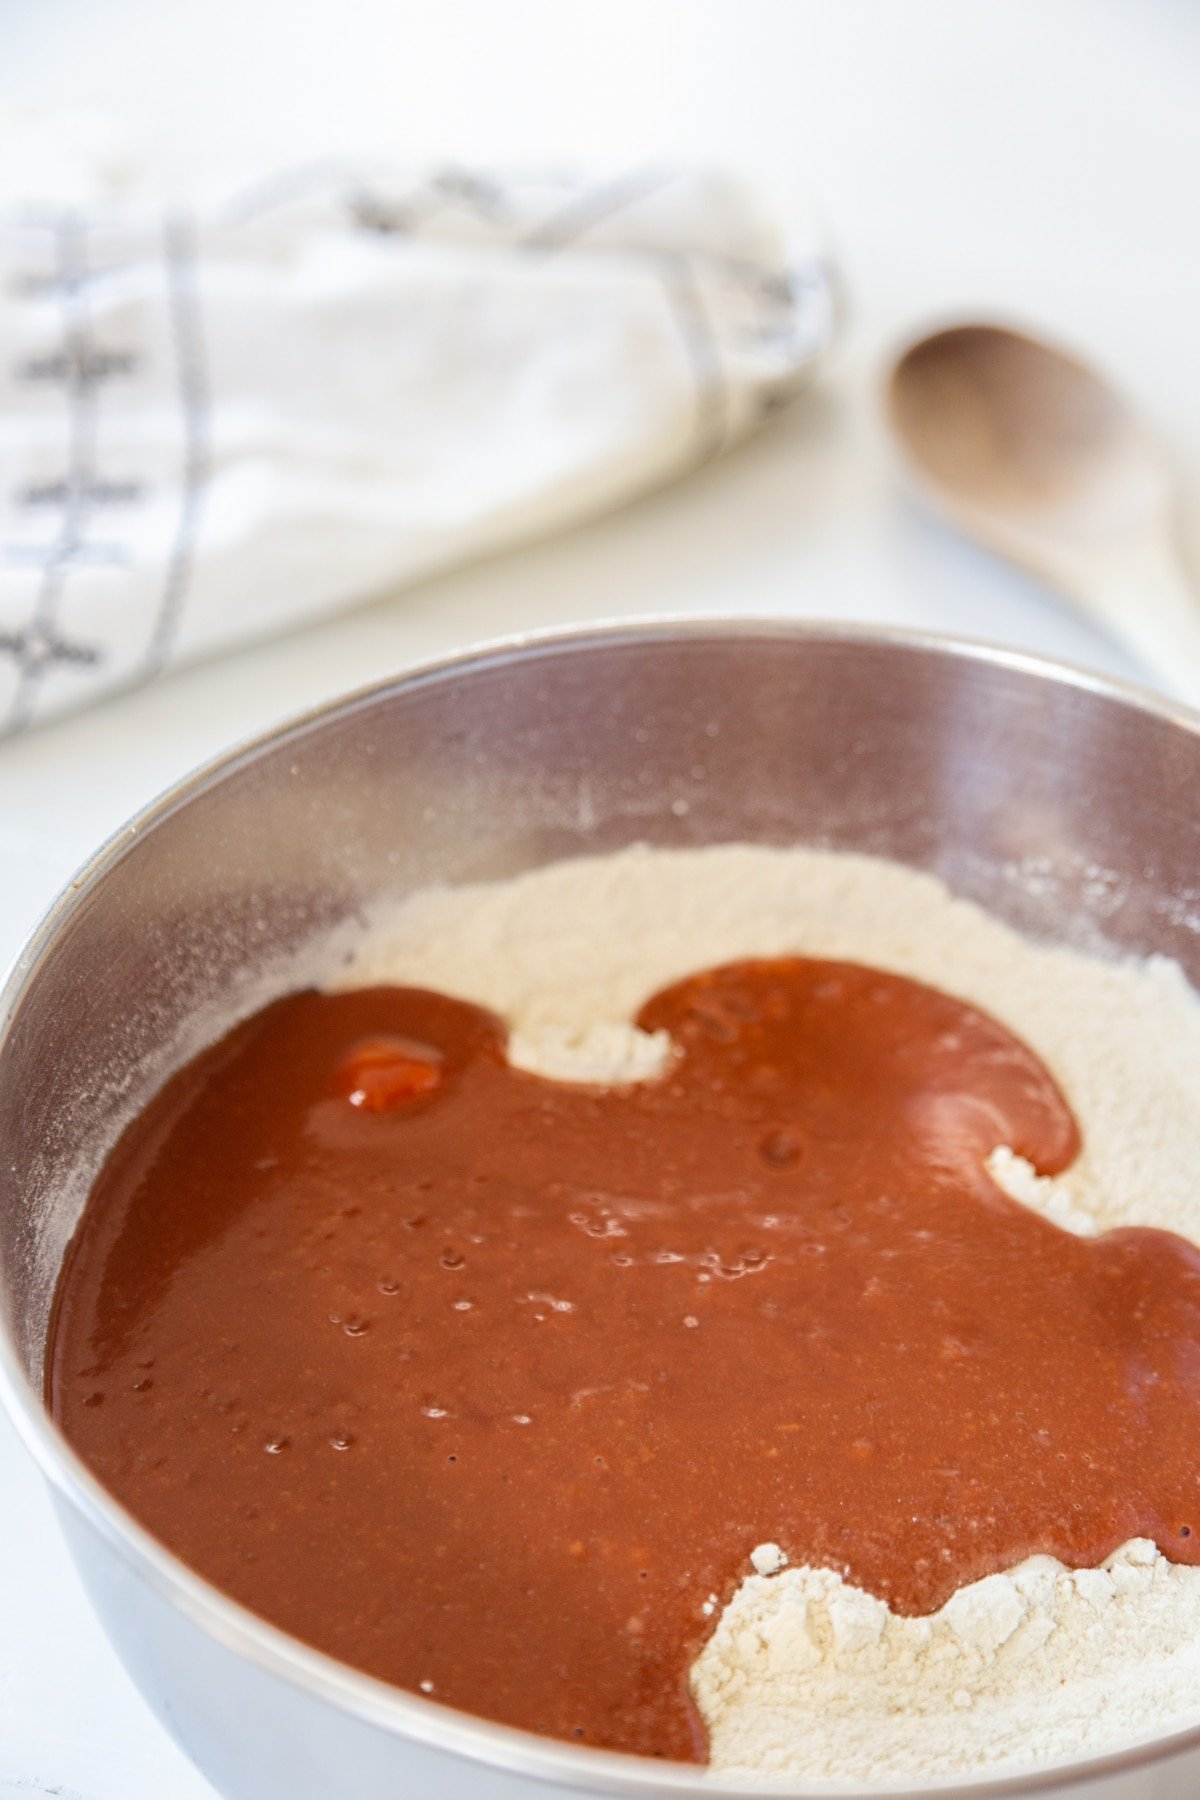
(1144, 599)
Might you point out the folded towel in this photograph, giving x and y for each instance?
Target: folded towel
(219, 422)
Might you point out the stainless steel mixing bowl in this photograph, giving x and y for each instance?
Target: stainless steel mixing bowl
(1064, 802)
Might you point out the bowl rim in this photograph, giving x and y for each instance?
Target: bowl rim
(274, 1652)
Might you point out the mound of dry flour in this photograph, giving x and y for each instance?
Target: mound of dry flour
(806, 1677)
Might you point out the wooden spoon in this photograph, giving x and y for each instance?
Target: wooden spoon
(1034, 455)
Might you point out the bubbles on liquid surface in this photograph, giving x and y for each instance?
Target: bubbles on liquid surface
(780, 1149)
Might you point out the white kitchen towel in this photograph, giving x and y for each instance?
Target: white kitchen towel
(219, 422)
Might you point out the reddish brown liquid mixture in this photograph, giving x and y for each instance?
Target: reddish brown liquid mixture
(480, 1380)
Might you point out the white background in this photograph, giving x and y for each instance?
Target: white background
(1038, 159)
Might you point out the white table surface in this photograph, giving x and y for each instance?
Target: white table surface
(1037, 159)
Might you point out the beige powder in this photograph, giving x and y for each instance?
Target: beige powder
(809, 1678)
(806, 1677)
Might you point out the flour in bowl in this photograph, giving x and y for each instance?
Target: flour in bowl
(806, 1677)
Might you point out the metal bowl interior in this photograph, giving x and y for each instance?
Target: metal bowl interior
(1060, 801)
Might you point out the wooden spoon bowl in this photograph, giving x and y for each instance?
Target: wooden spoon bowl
(1032, 453)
